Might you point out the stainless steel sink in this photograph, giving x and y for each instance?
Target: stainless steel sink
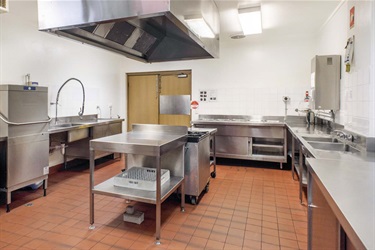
(320, 139)
(64, 125)
(333, 146)
(72, 134)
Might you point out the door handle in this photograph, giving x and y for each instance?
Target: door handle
(312, 206)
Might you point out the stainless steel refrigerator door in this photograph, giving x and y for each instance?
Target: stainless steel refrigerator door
(27, 158)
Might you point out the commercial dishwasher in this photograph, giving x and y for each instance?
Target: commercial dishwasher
(24, 123)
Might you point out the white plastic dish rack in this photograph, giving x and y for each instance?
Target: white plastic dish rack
(141, 178)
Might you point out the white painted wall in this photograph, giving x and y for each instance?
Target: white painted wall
(52, 60)
(251, 76)
(357, 93)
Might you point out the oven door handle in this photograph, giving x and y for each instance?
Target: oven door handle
(22, 123)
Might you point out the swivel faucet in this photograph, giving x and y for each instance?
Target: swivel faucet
(82, 109)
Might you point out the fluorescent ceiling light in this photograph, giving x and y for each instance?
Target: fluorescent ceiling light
(199, 27)
(251, 20)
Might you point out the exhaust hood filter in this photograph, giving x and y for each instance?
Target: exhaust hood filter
(120, 32)
(144, 43)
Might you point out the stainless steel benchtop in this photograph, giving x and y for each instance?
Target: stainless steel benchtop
(300, 131)
(349, 187)
(348, 182)
(240, 120)
(144, 143)
(67, 126)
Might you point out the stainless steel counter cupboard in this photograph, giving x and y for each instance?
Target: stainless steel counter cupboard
(341, 204)
(152, 146)
(247, 137)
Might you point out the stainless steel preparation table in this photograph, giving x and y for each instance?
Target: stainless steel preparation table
(150, 141)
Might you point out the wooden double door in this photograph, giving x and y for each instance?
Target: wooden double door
(147, 94)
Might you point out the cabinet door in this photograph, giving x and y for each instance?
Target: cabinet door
(324, 228)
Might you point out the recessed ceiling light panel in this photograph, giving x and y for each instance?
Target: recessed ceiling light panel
(251, 20)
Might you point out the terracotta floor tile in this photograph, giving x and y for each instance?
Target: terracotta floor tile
(176, 245)
(220, 237)
(206, 226)
(232, 247)
(255, 222)
(271, 232)
(220, 229)
(267, 246)
(182, 238)
(287, 235)
(233, 240)
(238, 225)
(274, 240)
(198, 242)
(85, 244)
(213, 245)
(100, 246)
(288, 243)
(186, 230)
(267, 224)
(287, 228)
(109, 240)
(252, 244)
(141, 245)
(124, 243)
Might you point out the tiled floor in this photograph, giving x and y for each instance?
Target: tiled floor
(245, 208)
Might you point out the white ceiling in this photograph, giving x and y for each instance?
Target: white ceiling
(278, 16)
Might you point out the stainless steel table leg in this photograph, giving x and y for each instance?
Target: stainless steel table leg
(9, 200)
(158, 200)
(92, 168)
(45, 187)
(300, 174)
(293, 159)
(182, 187)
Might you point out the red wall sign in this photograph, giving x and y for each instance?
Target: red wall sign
(352, 17)
(194, 104)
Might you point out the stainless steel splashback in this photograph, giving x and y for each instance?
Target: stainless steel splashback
(145, 30)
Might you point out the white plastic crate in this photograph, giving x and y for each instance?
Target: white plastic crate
(141, 178)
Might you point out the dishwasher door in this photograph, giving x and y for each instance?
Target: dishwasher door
(27, 159)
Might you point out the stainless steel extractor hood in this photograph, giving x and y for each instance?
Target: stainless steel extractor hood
(145, 30)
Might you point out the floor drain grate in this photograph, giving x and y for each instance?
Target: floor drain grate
(28, 204)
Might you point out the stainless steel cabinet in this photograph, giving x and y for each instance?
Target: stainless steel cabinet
(249, 142)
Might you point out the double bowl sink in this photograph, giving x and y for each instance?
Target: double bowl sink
(329, 144)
